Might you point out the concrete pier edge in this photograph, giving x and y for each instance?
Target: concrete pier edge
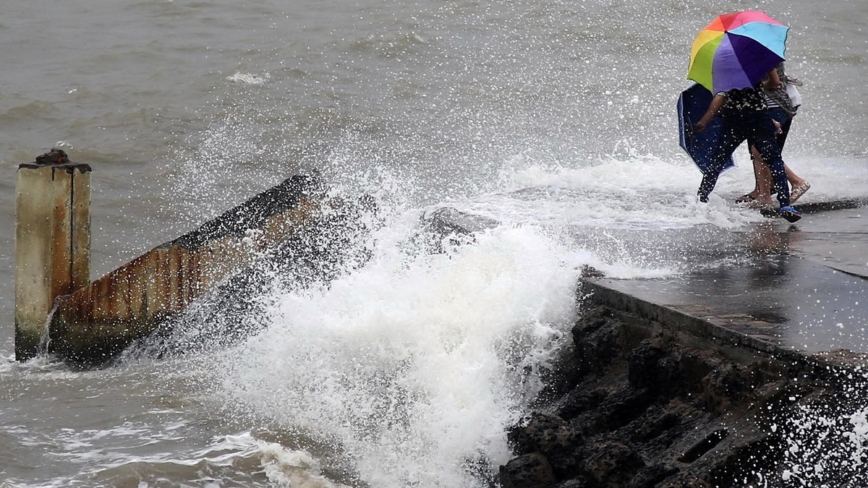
(652, 396)
(827, 364)
(817, 207)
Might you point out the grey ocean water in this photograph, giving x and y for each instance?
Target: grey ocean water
(548, 116)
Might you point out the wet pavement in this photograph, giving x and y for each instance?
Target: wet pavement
(803, 286)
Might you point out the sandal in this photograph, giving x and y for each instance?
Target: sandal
(761, 206)
(799, 191)
(745, 198)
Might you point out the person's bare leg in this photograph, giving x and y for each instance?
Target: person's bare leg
(763, 175)
(798, 185)
(794, 179)
(748, 197)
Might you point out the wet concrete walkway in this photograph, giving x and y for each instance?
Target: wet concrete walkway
(806, 290)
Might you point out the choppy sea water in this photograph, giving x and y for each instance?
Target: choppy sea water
(555, 119)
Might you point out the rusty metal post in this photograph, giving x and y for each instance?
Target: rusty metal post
(52, 242)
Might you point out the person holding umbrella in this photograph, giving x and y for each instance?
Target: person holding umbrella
(730, 57)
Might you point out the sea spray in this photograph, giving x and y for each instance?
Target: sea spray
(414, 365)
(825, 446)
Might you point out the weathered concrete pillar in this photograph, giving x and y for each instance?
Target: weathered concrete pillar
(52, 242)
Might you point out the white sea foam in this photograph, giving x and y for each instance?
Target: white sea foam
(242, 457)
(416, 364)
(645, 191)
(43, 364)
(249, 78)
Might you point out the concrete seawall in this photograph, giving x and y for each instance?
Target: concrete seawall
(653, 396)
(751, 373)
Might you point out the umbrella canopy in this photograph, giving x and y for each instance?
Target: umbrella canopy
(736, 50)
(701, 146)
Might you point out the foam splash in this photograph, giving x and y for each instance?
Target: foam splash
(249, 78)
(242, 457)
(635, 192)
(822, 441)
(42, 364)
(825, 449)
(283, 467)
(642, 191)
(414, 366)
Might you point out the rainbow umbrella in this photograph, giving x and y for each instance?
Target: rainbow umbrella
(736, 50)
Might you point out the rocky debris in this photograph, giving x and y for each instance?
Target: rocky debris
(528, 471)
(639, 404)
(591, 272)
(447, 226)
(55, 156)
(57, 159)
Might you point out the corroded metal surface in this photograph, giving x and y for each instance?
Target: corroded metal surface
(97, 321)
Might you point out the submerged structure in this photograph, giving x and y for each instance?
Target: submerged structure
(58, 311)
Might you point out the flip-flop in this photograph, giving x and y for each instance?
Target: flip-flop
(745, 198)
(799, 191)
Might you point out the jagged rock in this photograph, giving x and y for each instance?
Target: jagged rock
(726, 384)
(55, 156)
(451, 227)
(651, 406)
(540, 427)
(591, 272)
(527, 471)
(552, 437)
(573, 483)
(579, 401)
(612, 465)
(598, 342)
(684, 480)
(650, 476)
(621, 407)
(653, 367)
(661, 427)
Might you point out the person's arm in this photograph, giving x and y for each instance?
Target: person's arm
(772, 81)
(713, 109)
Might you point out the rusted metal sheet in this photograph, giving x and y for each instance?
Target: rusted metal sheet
(97, 321)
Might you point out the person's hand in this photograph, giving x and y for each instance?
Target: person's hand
(778, 129)
(699, 127)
